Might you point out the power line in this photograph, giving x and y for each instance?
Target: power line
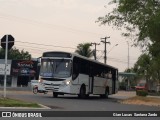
(45, 45)
(33, 47)
(101, 55)
(11, 17)
(39, 48)
(117, 60)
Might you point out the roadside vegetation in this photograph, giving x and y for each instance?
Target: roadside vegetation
(15, 54)
(7, 102)
(140, 100)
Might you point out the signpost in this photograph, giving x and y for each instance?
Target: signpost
(7, 42)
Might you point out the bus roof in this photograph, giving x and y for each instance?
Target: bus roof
(85, 58)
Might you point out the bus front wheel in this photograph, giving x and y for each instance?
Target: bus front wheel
(55, 95)
(82, 93)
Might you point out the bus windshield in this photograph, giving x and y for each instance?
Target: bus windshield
(59, 68)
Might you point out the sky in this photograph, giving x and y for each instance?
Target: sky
(60, 25)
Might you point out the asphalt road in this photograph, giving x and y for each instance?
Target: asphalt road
(73, 103)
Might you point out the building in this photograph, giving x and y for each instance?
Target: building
(2, 72)
(20, 72)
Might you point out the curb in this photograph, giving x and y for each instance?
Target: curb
(43, 107)
(153, 96)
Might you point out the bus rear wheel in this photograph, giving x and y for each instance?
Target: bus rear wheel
(55, 95)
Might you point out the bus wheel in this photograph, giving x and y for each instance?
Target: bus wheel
(82, 93)
(106, 93)
(55, 95)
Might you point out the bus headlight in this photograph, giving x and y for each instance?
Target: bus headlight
(68, 82)
(40, 80)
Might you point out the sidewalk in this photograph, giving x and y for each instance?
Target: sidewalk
(123, 95)
(153, 96)
(16, 88)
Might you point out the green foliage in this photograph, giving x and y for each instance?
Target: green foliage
(143, 64)
(148, 67)
(143, 15)
(84, 50)
(141, 20)
(15, 54)
(6, 102)
(141, 93)
(122, 85)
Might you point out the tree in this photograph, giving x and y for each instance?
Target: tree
(84, 50)
(15, 54)
(143, 65)
(140, 18)
(143, 15)
(148, 67)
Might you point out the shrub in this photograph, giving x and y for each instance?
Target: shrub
(141, 93)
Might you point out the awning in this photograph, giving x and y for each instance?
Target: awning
(125, 74)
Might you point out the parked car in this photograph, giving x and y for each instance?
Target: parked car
(37, 87)
(142, 86)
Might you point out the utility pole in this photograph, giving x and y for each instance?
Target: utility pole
(128, 67)
(95, 49)
(105, 49)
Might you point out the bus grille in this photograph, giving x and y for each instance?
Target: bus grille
(53, 79)
(52, 87)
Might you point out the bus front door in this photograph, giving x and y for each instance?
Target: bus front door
(90, 85)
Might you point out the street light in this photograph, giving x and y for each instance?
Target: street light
(128, 54)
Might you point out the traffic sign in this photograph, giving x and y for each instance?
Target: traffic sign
(10, 41)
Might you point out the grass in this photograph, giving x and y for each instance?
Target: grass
(140, 100)
(7, 102)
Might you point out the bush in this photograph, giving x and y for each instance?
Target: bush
(122, 87)
(141, 93)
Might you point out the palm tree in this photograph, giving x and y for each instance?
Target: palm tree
(84, 50)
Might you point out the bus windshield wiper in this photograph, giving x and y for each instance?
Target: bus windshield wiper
(57, 65)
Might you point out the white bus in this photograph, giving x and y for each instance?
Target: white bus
(69, 73)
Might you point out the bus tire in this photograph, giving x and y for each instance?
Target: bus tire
(106, 93)
(55, 95)
(82, 93)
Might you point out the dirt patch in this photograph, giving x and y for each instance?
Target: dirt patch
(138, 100)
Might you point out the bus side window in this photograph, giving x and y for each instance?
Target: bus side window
(75, 71)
